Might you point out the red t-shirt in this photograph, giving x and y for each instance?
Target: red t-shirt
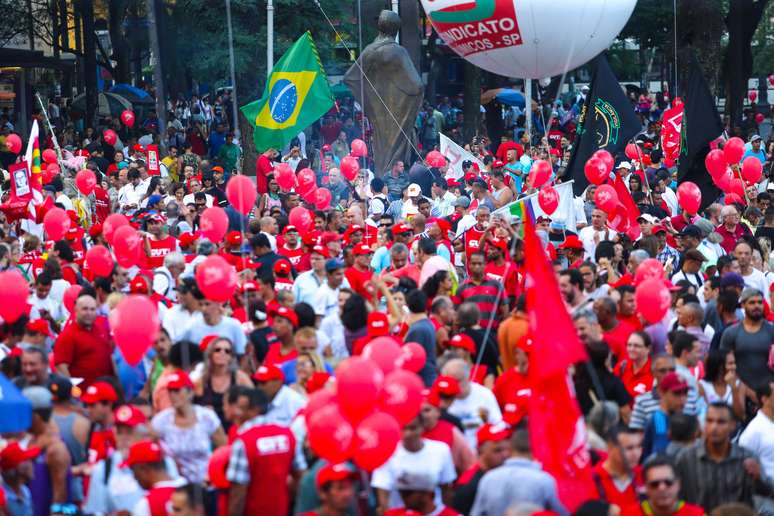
(507, 274)
(101, 204)
(87, 352)
(632, 320)
(263, 167)
(509, 384)
(357, 280)
(159, 249)
(611, 493)
(472, 236)
(102, 443)
(555, 138)
(270, 450)
(636, 383)
(274, 355)
(293, 255)
(644, 509)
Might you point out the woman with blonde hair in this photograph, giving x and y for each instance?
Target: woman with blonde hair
(221, 371)
(307, 363)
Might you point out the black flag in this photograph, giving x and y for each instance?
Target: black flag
(701, 125)
(607, 121)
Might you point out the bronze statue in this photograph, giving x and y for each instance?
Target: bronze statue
(389, 68)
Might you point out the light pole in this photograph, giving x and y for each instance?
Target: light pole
(235, 112)
(269, 36)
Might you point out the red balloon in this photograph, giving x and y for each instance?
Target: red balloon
(540, 173)
(13, 143)
(734, 150)
(70, 295)
(606, 198)
(56, 222)
(53, 169)
(753, 96)
(241, 193)
(216, 469)
(646, 160)
(376, 438)
(649, 269)
(715, 161)
(301, 218)
(759, 118)
(14, 291)
(310, 196)
(135, 326)
(213, 223)
(49, 156)
(548, 199)
(359, 148)
(606, 158)
(737, 187)
(285, 177)
(595, 171)
(723, 181)
(752, 169)
(732, 198)
(86, 181)
(323, 200)
(350, 166)
(330, 435)
(412, 357)
(618, 219)
(384, 351)
(306, 180)
(653, 299)
(127, 246)
(318, 400)
(402, 395)
(631, 151)
(689, 197)
(127, 118)
(99, 260)
(359, 383)
(111, 224)
(435, 159)
(109, 136)
(216, 278)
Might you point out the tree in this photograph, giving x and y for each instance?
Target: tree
(742, 21)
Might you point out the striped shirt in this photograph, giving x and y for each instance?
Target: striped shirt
(646, 404)
(485, 295)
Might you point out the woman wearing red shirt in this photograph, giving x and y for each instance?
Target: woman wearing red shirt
(635, 371)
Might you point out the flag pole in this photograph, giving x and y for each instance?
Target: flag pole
(50, 128)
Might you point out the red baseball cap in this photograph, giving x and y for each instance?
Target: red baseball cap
(129, 415)
(311, 238)
(446, 386)
(266, 373)
(321, 250)
(328, 237)
(38, 326)
(400, 228)
(452, 182)
(571, 242)
(516, 407)
(138, 147)
(282, 267)
(524, 343)
(290, 228)
(95, 230)
(234, 238)
(248, 286)
(470, 176)
(99, 391)
(431, 397)
(326, 147)
(143, 452)
(658, 228)
(287, 313)
(493, 432)
(377, 324)
(187, 238)
(333, 472)
(443, 224)
(556, 152)
(463, 341)
(206, 341)
(139, 285)
(362, 250)
(13, 455)
(500, 243)
(498, 164)
(672, 382)
(179, 380)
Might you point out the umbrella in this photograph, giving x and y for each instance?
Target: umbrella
(108, 104)
(16, 409)
(130, 92)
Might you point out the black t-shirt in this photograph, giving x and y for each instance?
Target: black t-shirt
(491, 354)
(613, 388)
(465, 494)
(261, 339)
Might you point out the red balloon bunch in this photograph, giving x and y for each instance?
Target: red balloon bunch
(323, 199)
(111, 224)
(653, 300)
(284, 176)
(56, 222)
(606, 198)
(127, 246)
(213, 223)
(99, 260)
(14, 291)
(734, 150)
(86, 181)
(548, 199)
(301, 218)
(540, 173)
(127, 118)
(109, 136)
(49, 156)
(306, 180)
(752, 169)
(596, 171)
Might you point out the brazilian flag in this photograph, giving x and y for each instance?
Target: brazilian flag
(297, 94)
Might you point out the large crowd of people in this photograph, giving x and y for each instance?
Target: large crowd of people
(680, 412)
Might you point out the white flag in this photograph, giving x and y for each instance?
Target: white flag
(456, 155)
(564, 214)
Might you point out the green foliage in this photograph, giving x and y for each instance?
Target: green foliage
(650, 24)
(763, 45)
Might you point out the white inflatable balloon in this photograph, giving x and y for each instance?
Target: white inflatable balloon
(528, 39)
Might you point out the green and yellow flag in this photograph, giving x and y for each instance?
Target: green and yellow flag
(297, 94)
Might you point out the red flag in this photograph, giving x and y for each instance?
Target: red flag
(671, 130)
(557, 429)
(557, 345)
(633, 212)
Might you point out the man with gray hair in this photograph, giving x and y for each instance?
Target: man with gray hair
(519, 480)
(636, 257)
(165, 277)
(731, 229)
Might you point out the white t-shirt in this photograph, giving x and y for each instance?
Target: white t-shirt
(757, 280)
(586, 236)
(284, 407)
(469, 411)
(758, 437)
(326, 302)
(434, 460)
(56, 309)
(189, 199)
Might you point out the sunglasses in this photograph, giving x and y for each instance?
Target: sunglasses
(222, 350)
(682, 392)
(666, 370)
(668, 482)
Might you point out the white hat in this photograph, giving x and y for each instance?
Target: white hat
(624, 164)
(414, 190)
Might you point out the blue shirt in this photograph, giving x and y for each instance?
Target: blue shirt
(216, 141)
(289, 368)
(760, 155)
(228, 327)
(423, 333)
(18, 504)
(380, 260)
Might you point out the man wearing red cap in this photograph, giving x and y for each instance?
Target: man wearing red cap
(17, 471)
(284, 324)
(307, 283)
(438, 230)
(493, 449)
(283, 402)
(336, 490)
(435, 427)
(84, 348)
(360, 274)
(262, 458)
(147, 462)
(573, 251)
(515, 381)
(98, 400)
(282, 276)
(291, 247)
(499, 266)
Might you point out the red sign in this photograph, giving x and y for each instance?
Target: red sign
(671, 126)
(153, 160)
